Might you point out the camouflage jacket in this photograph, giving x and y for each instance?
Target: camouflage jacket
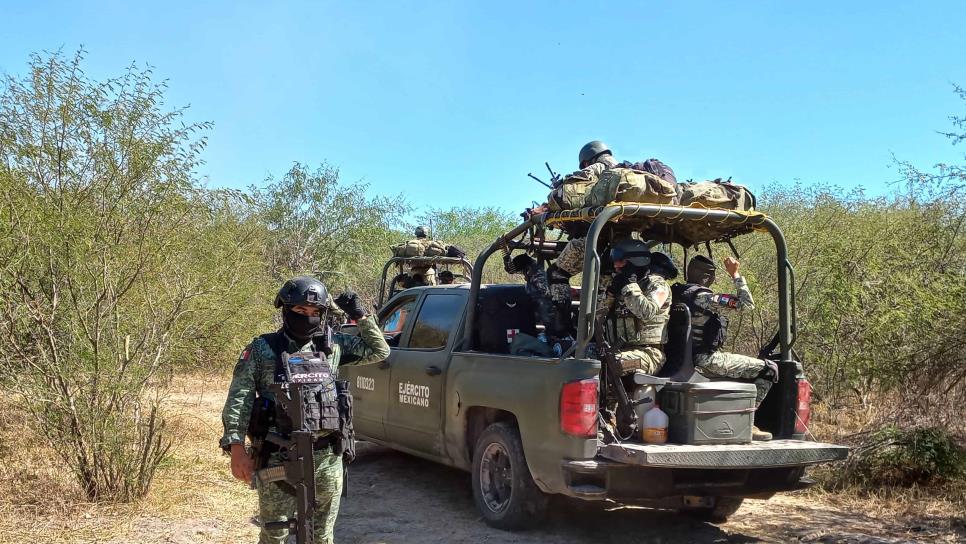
(255, 371)
(715, 302)
(640, 316)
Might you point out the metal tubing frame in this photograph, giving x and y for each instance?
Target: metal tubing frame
(591, 279)
(467, 267)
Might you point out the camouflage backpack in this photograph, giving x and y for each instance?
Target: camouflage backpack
(717, 194)
(571, 191)
(409, 248)
(433, 248)
(630, 185)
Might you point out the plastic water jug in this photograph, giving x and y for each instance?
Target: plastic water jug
(655, 426)
(647, 395)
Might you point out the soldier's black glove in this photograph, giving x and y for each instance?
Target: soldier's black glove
(349, 303)
(621, 280)
(524, 264)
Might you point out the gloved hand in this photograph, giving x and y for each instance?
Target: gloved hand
(350, 303)
(621, 280)
(523, 263)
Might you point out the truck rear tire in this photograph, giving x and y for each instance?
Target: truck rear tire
(503, 488)
(723, 509)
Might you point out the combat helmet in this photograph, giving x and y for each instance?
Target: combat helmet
(633, 251)
(302, 290)
(421, 231)
(591, 151)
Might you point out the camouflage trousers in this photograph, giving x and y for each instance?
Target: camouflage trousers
(721, 364)
(648, 359)
(571, 258)
(274, 504)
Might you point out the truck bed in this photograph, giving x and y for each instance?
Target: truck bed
(774, 453)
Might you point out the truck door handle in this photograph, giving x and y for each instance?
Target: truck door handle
(433, 370)
(384, 364)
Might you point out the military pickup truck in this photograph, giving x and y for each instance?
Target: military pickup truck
(527, 427)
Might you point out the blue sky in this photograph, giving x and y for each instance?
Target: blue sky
(452, 103)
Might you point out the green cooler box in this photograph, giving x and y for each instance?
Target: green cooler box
(709, 412)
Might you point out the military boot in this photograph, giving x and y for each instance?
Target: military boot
(760, 435)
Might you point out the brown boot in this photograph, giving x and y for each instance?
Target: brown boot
(760, 435)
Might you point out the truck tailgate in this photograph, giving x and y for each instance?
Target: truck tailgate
(774, 453)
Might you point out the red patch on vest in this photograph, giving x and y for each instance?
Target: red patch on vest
(244, 355)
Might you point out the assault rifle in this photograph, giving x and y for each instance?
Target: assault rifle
(554, 177)
(298, 464)
(626, 416)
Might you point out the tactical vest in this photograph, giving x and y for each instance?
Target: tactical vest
(708, 328)
(627, 330)
(320, 398)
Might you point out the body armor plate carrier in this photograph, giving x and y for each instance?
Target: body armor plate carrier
(708, 328)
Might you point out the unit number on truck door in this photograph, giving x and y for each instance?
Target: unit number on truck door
(365, 383)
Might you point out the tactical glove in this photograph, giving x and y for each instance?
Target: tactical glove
(349, 303)
(621, 280)
(524, 264)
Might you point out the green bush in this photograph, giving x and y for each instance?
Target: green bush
(905, 457)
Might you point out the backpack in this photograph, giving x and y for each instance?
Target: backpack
(717, 194)
(653, 166)
(409, 248)
(571, 191)
(433, 248)
(630, 185)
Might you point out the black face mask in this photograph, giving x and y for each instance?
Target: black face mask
(300, 327)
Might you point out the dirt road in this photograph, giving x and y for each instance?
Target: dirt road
(395, 498)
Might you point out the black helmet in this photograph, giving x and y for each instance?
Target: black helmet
(302, 290)
(591, 151)
(663, 265)
(631, 250)
(701, 271)
(421, 231)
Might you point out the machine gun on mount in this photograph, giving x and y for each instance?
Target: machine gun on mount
(308, 402)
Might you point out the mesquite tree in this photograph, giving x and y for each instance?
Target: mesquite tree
(100, 218)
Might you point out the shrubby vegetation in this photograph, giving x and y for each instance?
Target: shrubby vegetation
(119, 269)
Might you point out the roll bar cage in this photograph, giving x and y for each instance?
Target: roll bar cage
(732, 223)
(400, 261)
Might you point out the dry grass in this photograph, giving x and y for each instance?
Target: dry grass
(191, 492)
(194, 498)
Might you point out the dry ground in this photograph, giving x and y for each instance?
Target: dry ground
(396, 498)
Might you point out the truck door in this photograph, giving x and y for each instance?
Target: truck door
(418, 373)
(370, 383)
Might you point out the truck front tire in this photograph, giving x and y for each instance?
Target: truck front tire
(503, 489)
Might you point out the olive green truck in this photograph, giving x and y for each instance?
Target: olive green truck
(527, 427)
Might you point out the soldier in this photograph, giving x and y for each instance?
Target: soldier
(427, 273)
(302, 301)
(708, 328)
(638, 305)
(554, 316)
(446, 278)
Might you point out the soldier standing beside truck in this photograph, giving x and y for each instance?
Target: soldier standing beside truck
(303, 302)
(709, 328)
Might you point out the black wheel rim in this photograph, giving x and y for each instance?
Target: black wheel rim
(496, 477)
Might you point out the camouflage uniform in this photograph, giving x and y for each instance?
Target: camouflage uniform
(722, 364)
(254, 372)
(637, 324)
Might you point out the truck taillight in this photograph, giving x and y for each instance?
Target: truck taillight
(578, 408)
(804, 407)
